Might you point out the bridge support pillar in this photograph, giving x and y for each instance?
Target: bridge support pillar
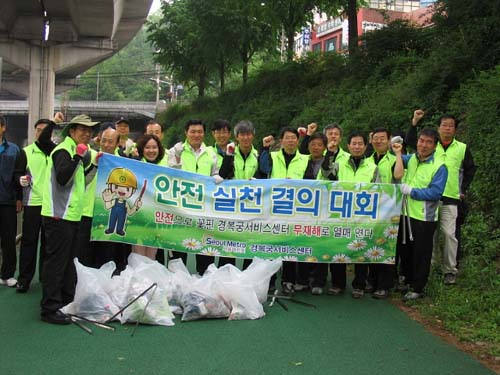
(41, 87)
(44, 62)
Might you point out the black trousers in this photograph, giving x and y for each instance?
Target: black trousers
(105, 252)
(202, 263)
(226, 260)
(179, 255)
(416, 255)
(296, 272)
(8, 230)
(339, 275)
(85, 252)
(32, 231)
(381, 276)
(58, 272)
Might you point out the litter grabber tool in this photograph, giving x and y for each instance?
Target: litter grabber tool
(276, 297)
(94, 322)
(406, 224)
(144, 310)
(79, 324)
(131, 302)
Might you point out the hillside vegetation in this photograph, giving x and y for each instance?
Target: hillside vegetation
(452, 67)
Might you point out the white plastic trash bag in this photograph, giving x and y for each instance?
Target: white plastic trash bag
(91, 300)
(259, 273)
(151, 308)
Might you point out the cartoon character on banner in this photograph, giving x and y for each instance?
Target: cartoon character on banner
(122, 184)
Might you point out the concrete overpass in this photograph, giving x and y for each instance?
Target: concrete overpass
(99, 110)
(45, 44)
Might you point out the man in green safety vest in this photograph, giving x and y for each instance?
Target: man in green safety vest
(460, 164)
(62, 207)
(33, 162)
(423, 184)
(193, 155)
(356, 168)
(287, 162)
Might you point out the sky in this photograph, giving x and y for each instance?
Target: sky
(155, 6)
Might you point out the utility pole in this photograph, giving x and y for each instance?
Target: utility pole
(157, 84)
(97, 88)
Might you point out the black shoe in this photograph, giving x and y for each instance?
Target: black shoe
(56, 318)
(108, 231)
(21, 288)
(120, 233)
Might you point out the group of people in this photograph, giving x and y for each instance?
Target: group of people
(55, 185)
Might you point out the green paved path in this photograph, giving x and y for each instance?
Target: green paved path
(343, 336)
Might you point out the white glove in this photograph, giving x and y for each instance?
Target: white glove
(218, 179)
(230, 149)
(397, 139)
(406, 189)
(25, 181)
(178, 148)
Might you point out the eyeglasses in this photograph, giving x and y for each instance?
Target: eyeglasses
(84, 128)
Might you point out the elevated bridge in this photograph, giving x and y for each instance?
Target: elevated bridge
(45, 44)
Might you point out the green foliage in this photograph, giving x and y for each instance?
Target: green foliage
(451, 68)
(478, 101)
(124, 76)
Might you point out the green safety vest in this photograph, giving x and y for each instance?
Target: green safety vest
(64, 202)
(163, 162)
(342, 155)
(384, 168)
(453, 158)
(296, 168)
(202, 165)
(220, 158)
(364, 173)
(36, 167)
(245, 169)
(419, 175)
(89, 195)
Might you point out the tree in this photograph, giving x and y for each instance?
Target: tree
(179, 43)
(124, 76)
(291, 15)
(251, 31)
(352, 20)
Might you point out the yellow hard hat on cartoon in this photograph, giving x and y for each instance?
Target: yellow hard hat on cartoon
(122, 177)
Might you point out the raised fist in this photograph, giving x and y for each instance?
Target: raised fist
(397, 148)
(417, 116)
(268, 141)
(302, 131)
(230, 148)
(82, 149)
(311, 128)
(25, 181)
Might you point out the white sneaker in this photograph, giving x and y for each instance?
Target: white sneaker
(9, 282)
(300, 287)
